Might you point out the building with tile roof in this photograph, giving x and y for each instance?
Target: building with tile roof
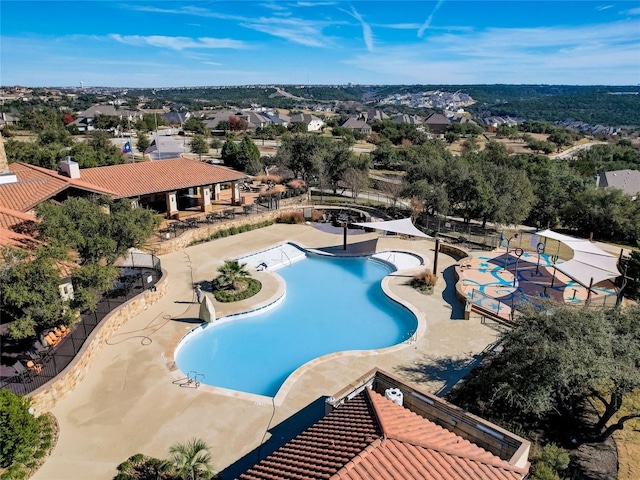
(380, 428)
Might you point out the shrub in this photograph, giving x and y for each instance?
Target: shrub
(424, 281)
(19, 430)
(225, 296)
(233, 231)
(291, 218)
(296, 184)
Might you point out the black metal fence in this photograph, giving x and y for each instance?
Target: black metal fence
(143, 272)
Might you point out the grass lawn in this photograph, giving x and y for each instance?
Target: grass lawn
(628, 441)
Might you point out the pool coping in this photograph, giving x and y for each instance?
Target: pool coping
(275, 299)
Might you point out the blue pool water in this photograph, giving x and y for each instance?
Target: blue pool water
(331, 305)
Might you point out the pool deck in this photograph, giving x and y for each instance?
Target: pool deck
(129, 401)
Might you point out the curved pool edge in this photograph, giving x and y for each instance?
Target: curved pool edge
(273, 301)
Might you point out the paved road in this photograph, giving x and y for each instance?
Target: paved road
(571, 152)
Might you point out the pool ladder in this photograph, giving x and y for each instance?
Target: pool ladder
(284, 254)
(194, 378)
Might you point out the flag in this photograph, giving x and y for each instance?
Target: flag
(152, 147)
(126, 148)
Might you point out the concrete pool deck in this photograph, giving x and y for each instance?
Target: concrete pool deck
(129, 401)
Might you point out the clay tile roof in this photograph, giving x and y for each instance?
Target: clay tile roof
(324, 448)
(371, 437)
(37, 184)
(132, 179)
(16, 228)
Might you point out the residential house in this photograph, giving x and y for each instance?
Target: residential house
(415, 120)
(85, 120)
(375, 114)
(175, 118)
(626, 180)
(437, 123)
(314, 124)
(358, 124)
(380, 428)
(8, 119)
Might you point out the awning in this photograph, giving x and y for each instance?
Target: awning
(404, 226)
(589, 263)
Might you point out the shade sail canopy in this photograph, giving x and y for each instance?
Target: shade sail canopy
(588, 263)
(404, 226)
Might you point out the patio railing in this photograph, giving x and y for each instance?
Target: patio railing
(143, 274)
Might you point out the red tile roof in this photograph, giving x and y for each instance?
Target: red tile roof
(371, 437)
(16, 228)
(142, 178)
(37, 184)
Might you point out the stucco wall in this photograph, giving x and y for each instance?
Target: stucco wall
(45, 398)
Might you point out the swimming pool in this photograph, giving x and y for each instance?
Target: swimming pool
(331, 305)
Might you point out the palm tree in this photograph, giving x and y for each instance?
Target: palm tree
(190, 460)
(231, 273)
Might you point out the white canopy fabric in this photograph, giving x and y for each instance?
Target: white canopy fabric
(404, 226)
(588, 263)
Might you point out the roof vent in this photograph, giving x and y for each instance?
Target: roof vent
(70, 168)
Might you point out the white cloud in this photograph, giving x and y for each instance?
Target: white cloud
(177, 43)
(367, 34)
(304, 32)
(427, 22)
(604, 7)
(632, 11)
(606, 54)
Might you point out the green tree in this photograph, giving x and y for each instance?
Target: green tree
(298, 127)
(249, 157)
(199, 145)
(555, 358)
(608, 214)
(302, 154)
(19, 430)
(195, 125)
(143, 141)
(216, 144)
(29, 293)
(190, 460)
(230, 152)
(83, 224)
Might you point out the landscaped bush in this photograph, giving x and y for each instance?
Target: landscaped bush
(296, 184)
(424, 281)
(253, 286)
(24, 439)
(226, 232)
(291, 218)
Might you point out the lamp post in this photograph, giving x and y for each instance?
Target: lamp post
(506, 257)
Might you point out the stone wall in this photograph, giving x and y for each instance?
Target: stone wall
(45, 398)
(187, 237)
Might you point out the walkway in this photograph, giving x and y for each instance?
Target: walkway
(128, 402)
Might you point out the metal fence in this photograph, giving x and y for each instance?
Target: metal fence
(466, 234)
(510, 308)
(132, 282)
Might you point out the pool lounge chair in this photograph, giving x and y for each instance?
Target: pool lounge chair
(23, 372)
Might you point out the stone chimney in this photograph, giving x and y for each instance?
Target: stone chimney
(5, 174)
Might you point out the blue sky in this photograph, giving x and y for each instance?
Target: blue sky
(232, 42)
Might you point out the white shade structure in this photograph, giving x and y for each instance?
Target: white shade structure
(590, 265)
(403, 226)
